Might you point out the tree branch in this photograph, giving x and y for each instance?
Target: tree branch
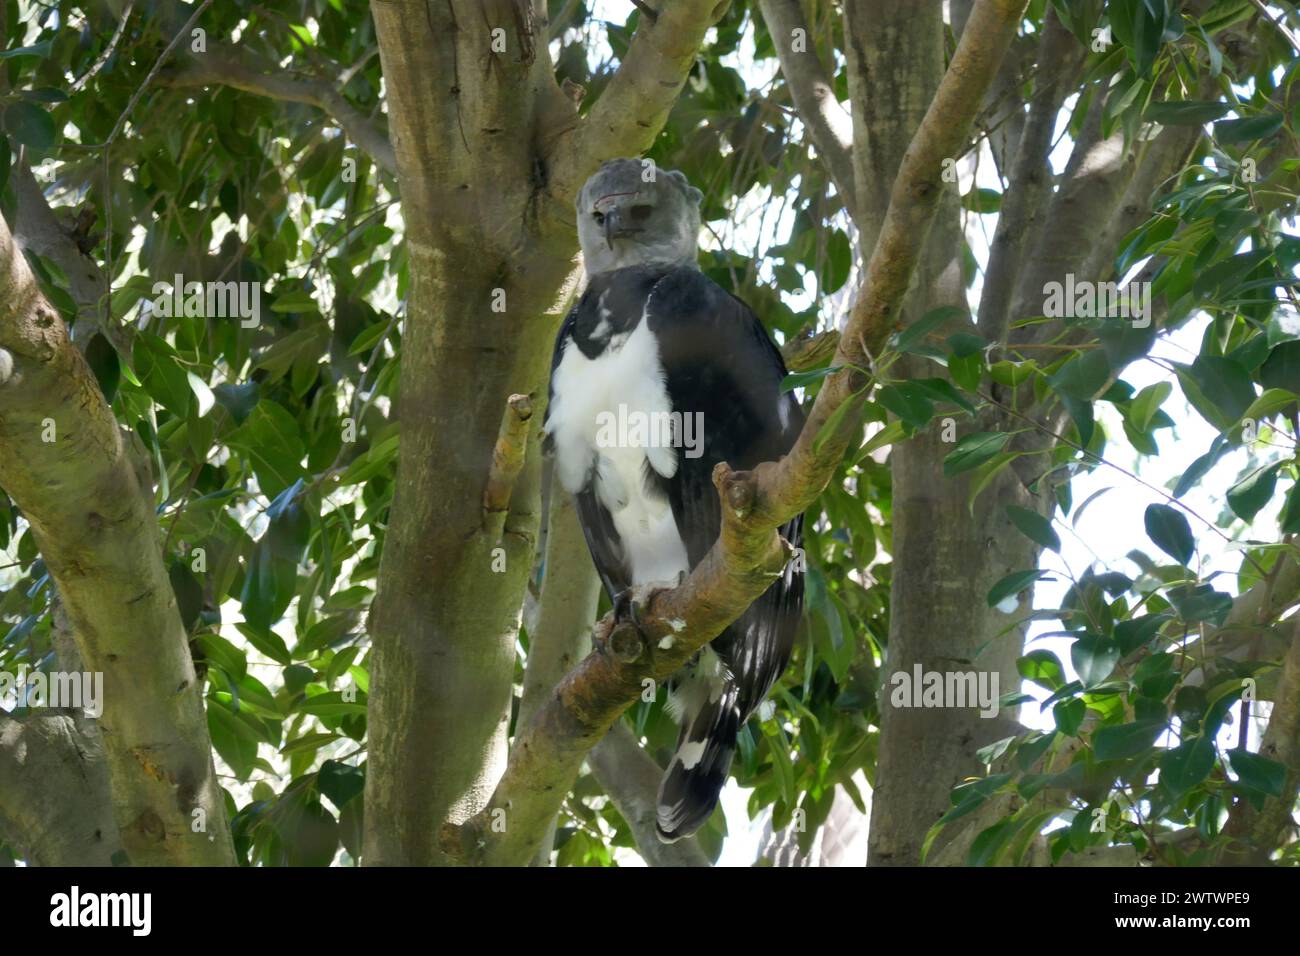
(1098, 172)
(1060, 58)
(220, 66)
(65, 463)
(37, 229)
(635, 104)
(507, 458)
(807, 352)
(631, 778)
(748, 553)
(1256, 833)
(55, 807)
(561, 635)
(812, 94)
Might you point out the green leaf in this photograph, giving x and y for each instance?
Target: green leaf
(1094, 657)
(973, 450)
(340, 782)
(909, 338)
(41, 50)
(1186, 112)
(238, 400)
(1012, 373)
(1133, 633)
(1035, 527)
(1043, 668)
(833, 271)
(1068, 715)
(1258, 773)
(909, 402)
(985, 848)
(162, 376)
(366, 341)
(104, 362)
(220, 652)
(1217, 387)
(1290, 517)
(803, 379)
(272, 440)
(778, 746)
(986, 473)
(294, 300)
(1147, 402)
(232, 738)
(1201, 466)
(266, 641)
(835, 420)
(1253, 492)
(1012, 584)
(332, 704)
(1248, 128)
(942, 390)
(892, 433)
(1083, 377)
(1200, 602)
(202, 393)
(307, 743)
(303, 346)
(1126, 740)
(1171, 533)
(30, 125)
(308, 833)
(1281, 370)
(982, 200)
(1186, 765)
(967, 370)
(1283, 326)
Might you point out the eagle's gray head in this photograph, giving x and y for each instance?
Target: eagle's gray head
(630, 213)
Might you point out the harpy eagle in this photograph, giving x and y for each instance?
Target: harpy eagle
(655, 342)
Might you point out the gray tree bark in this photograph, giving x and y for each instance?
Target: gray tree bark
(488, 213)
(67, 465)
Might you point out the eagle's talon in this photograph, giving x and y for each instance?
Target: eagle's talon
(624, 608)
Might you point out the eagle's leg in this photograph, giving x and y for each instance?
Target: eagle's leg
(626, 603)
(624, 608)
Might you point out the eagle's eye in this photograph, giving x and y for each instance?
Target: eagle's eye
(599, 217)
(641, 213)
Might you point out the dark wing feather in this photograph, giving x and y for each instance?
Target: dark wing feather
(602, 541)
(719, 360)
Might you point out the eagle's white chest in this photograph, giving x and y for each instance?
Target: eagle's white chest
(623, 382)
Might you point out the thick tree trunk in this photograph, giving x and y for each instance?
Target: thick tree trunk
(945, 559)
(65, 462)
(491, 241)
(55, 808)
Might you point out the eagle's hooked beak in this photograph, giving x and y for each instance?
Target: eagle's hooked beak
(613, 225)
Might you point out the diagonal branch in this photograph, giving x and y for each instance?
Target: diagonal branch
(220, 66)
(37, 229)
(562, 636)
(65, 462)
(635, 104)
(749, 552)
(810, 89)
(631, 778)
(1060, 59)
